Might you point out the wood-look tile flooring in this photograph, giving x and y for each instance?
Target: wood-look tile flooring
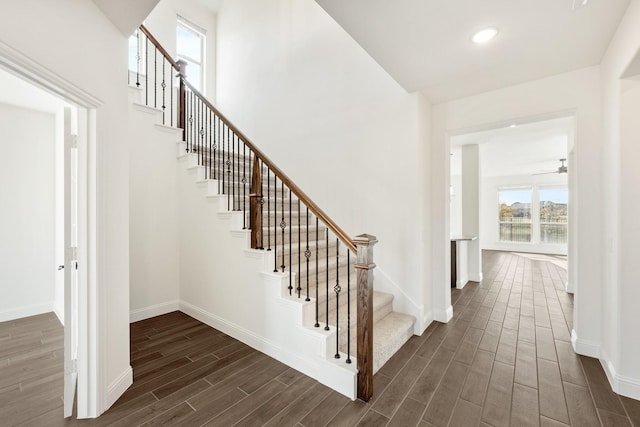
(504, 359)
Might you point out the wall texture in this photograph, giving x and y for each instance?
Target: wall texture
(319, 106)
(27, 219)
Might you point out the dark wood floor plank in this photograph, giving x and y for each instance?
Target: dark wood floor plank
(325, 410)
(506, 352)
(428, 382)
(395, 393)
(552, 401)
(610, 419)
(151, 411)
(444, 400)
(582, 411)
(570, 366)
(408, 414)
(373, 419)
(524, 406)
(526, 365)
(475, 388)
(466, 414)
(214, 408)
(633, 409)
(603, 396)
(305, 403)
(497, 405)
(545, 345)
(172, 417)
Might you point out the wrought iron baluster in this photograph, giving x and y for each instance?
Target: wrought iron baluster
(269, 210)
(299, 288)
(275, 230)
(261, 207)
(210, 156)
(283, 226)
(234, 178)
(146, 71)
(171, 108)
(155, 77)
(337, 290)
(163, 85)
(317, 324)
(228, 166)
(244, 186)
(348, 306)
(307, 252)
(326, 327)
(138, 57)
(290, 239)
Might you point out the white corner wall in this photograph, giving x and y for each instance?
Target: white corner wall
(576, 92)
(327, 114)
(27, 219)
(619, 292)
(153, 216)
(83, 47)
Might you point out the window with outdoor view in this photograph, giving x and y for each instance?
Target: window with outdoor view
(190, 45)
(515, 215)
(553, 215)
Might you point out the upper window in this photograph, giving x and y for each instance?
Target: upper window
(190, 45)
(137, 53)
(515, 215)
(553, 215)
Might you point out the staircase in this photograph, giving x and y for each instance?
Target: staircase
(299, 248)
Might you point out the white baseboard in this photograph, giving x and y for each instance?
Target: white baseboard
(340, 377)
(476, 277)
(443, 315)
(584, 347)
(621, 384)
(153, 311)
(59, 311)
(118, 387)
(569, 287)
(25, 311)
(427, 319)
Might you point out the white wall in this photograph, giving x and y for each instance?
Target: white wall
(319, 106)
(490, 229)
(83, 47)
(27, 219)
(153, 216)
(619, 293)
(162, 22)
(579, 92)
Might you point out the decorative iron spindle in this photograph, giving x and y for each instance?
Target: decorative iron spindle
(317, 324)
(269, 210)
(155, 77)
(348, 307)
(163, 85)
(138, 58)
(171, 97)
(261, 207)
(244, 187)
(307, 252)
(337, 290)
(299, 288)
(211, 147)
(146, 71)
(283, 226)
(290, 240)
(275, 230)
(228, 165)
(326, 327)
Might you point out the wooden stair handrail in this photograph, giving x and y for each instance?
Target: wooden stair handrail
(281, 175)
(158, 46)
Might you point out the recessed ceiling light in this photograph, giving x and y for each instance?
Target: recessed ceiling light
(513, 125)
(485, 35)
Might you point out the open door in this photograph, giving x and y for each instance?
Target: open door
(70, 263)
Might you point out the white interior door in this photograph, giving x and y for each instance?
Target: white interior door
(70, 263)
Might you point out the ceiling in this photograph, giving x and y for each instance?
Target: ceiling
(426, 45)
(522, 150)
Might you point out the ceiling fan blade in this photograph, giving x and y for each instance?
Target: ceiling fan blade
(544, 173)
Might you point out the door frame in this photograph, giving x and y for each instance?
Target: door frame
(91, 301)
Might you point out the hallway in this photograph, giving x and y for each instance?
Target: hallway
(504, 359)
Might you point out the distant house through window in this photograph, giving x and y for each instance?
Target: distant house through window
(553, 215)
(190, 46)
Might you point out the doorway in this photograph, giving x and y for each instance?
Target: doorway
(42, 232)
(510, 189)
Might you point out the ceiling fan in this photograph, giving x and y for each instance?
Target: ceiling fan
(561, 169)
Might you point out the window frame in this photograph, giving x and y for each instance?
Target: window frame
(202, 33)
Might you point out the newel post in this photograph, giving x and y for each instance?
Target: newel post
(182, 112)
(364, 266)
(255, 202)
